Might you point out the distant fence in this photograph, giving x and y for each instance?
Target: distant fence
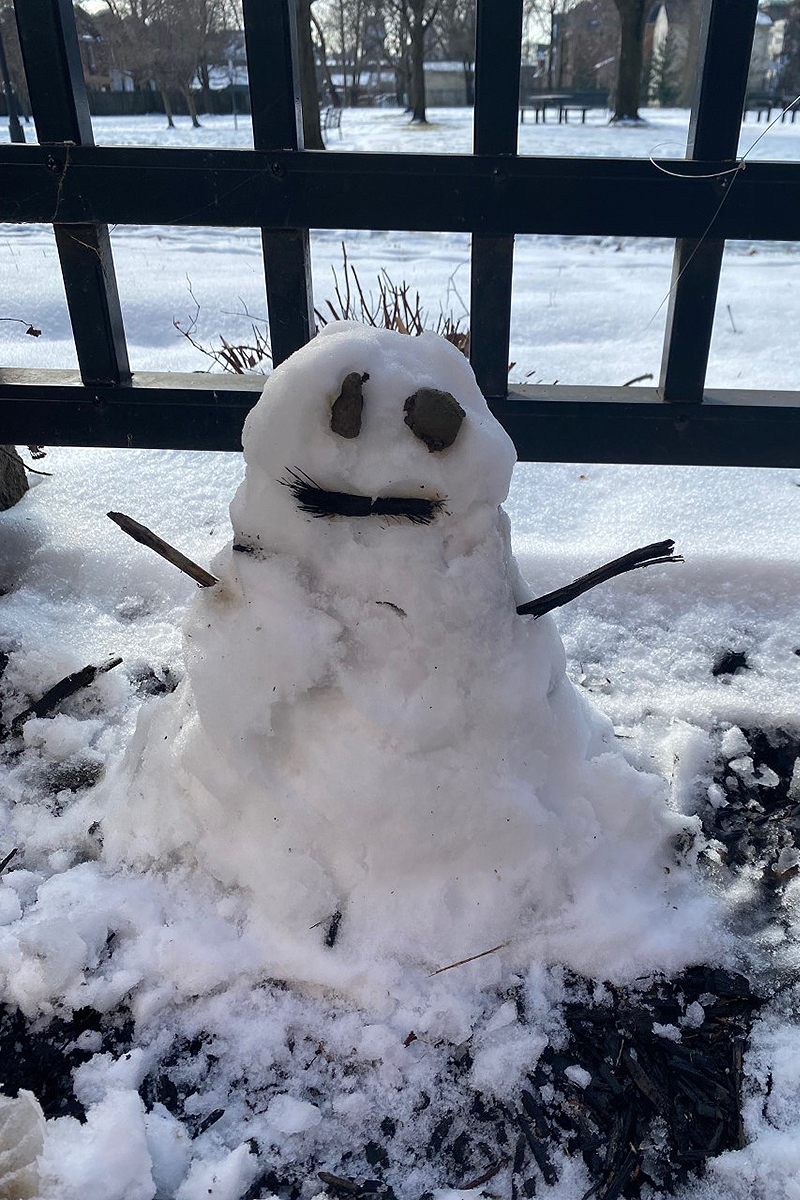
(142, 101)
(492, 194)
(129, 104)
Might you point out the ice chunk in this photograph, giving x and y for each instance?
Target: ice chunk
(170, 1149)
(734, 744)
(578, 1075)
(694, 1016)
(21, 1140)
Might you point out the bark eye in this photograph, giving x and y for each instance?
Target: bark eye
(347, 407)
(434, 417)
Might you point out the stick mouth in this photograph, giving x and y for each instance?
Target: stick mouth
(319, 502)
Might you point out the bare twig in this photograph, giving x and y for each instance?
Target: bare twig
(236, 359)
(461, 962)
(12, 854)
(146, 537)
(638, 379)
(484, 1178)
(19, 458)
(646, 556)
(61, 690)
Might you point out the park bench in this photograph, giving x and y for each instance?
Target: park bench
(763, 103)
(331, 118)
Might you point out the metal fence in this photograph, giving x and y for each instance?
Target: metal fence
(492, 194)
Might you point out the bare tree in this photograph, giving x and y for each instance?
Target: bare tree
(414, 19)
(167, 42)
(453, 35)
(354, 32)
(546, 19)
(13, 55)
(321, 51)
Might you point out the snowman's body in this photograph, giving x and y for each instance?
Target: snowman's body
(367, 727)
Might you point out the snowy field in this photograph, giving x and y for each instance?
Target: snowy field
(206, 1071)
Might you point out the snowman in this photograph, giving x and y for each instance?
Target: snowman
(370, 745)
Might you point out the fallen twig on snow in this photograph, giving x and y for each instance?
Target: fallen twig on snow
(472, 958)
(646, 556)
(11, 854)
(140, 533)
(61, 690)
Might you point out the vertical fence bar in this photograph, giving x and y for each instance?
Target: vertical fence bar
(498, 50)
(726, 41)
(60, 108)
(271, 39)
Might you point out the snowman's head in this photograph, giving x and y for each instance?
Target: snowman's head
(368, 426)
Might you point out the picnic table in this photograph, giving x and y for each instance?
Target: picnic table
(561, 103)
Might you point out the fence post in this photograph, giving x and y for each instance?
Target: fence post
(726, 40)
(60, 107)
(271, 40)
(498, 50)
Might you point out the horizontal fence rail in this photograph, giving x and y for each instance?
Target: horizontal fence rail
(561, 424)
(489, 194)
(493, 194)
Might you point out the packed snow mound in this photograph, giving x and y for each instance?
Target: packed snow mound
(370, 743)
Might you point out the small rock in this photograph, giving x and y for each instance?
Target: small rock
(434, 417)
(348, 406)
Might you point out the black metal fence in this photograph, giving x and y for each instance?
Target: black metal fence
(492, 194)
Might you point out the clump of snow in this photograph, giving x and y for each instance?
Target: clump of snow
(578, 1075)
(694, 1016)
(106, 1158)
(670, 1032)
(369, 742)
(225, 1179)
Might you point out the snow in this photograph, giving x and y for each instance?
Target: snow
(181, 946)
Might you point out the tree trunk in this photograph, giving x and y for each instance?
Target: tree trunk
(323, 57)
(309, 96)
(418, 116)
(629, 78)
(167, 108)
(192, 107)
(205, 88)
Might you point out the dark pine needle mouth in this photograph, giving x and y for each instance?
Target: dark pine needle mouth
(318, 502)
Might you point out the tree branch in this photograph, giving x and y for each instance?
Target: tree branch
(146, 537)
(646, 556)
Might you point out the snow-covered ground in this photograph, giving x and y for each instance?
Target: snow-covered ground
(286, 1073)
